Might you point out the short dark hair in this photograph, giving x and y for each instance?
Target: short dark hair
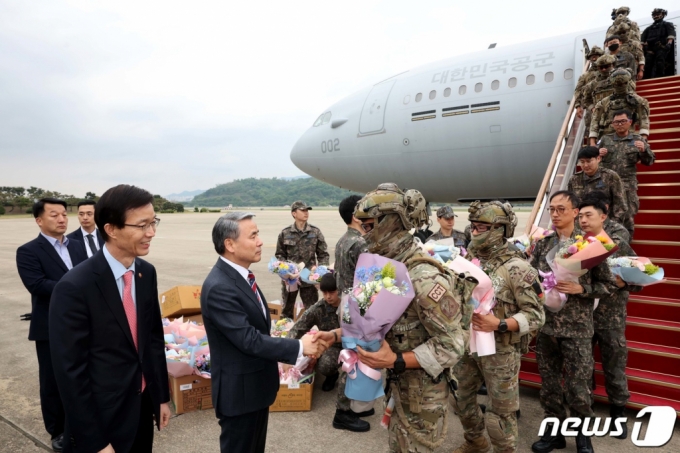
(347, 207)
(113, 205)
(626, 112)
(86, 203)
(599, 195)
(588, 152)
(571, 196)
(595, 202)
(613, 37)
(328, 283)
(39, 206)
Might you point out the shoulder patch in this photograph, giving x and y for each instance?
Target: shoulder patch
(437, 292)
(530, 276)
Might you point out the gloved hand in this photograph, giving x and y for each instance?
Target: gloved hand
(669, 45)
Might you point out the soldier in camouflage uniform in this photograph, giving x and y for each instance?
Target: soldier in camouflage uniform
(518, 313)
(622, 99)
(609, 318)
(350, 245)
(624, 60)
(620, 15)
(592, 178)
(563, 346)
(324, 315)
(445, 218)
(428, 338)
(301, 242)
(631, 44)
(585, 79)
(621, 151)
(600, 87)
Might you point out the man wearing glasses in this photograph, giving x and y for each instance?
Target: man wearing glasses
(620, 152)
(106, 334)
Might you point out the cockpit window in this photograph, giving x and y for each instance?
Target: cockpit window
(326, 117)
(322, 119)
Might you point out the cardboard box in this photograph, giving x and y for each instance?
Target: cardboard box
(181, 300)
(293, 400)
(198, 319)
(190, 393)
(275, 309)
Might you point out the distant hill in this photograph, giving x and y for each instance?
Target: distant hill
(187, 195)
(271, 192)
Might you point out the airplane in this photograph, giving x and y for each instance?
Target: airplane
(476, 126)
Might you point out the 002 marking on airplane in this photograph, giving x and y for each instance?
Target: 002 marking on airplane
(330, 146)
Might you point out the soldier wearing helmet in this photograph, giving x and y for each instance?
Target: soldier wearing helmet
(428, 339)
(622, 98)
(630, 42)
(624, 59)
(517, 316)
(600, 86)
(620, 15)
(586, 78)
(657, 41)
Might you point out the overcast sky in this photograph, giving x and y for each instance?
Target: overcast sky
(176, 96)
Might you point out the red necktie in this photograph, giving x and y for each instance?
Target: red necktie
(253, 286)
(131, 312)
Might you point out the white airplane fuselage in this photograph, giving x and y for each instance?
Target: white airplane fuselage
(482, 125)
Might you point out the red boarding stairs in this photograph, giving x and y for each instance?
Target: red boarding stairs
(653, 323)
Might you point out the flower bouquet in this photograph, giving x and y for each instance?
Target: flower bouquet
(483, 300)
(302, 371)
(382, 291)
(186, 348)
(636, 270)
(287, 271)
(314, 278)
(443, 250)
(571, 259)
(282, 327)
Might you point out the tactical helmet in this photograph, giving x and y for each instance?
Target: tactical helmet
(620, 76)
(595, 51)
(605, 60)
(623, 10)
(494, 212)
(663, 12)
(389, 199)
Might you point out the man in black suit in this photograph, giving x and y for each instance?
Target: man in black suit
(87, 233)
(41, 264)
(245, 377)
(106, 334)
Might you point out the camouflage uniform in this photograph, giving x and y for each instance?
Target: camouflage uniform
(563, 346)
(347, 252)
(601, 87)
(626, 60)
(325, 317)
(583, 81)
(459, 239)
(430, 326)
(306, 245)
(621, 16)
(622, 157)
(605, 181)
(603, 114)
(520, 296)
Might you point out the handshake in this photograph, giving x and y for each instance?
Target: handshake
(315, 344)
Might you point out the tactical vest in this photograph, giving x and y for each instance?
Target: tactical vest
(657, 32)
(613, 104)
(602, 89)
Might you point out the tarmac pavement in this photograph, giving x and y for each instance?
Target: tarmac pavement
(183, 254)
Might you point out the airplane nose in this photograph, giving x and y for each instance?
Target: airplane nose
(300, 155)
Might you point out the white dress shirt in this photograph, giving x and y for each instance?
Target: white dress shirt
(95, 235)
(244, 273)
(61, 249)
(118, 271)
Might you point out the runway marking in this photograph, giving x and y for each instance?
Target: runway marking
(35, 440)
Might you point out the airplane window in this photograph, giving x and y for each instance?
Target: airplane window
(447, 92)
(319, 120)
(478, 87)
(531, 79)
(462, 89)
(407, 99)
(549, 76)
(568, 74)
(326, 117)
(495, 84)
(512, 82)
(419, 96)
(433, 94)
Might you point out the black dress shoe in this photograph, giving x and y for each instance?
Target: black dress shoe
(617, 412)
(329, 383)
(367, 413)
(482, 390)
(347, 420)
(58, 443)
(548, 443)
(583, 444)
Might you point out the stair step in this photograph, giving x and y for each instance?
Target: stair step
(655, 232)
(662, 163)
(660, 249)
(655, 331)
(666, 133)
(657, 189)
(641, 381)
(669, 288)
(662, 95)
(661, 102)
(658, 217)
(659, 176)
(657, 145)
(664, 154)
(664, 116)
(659, 203)
(652, 357)
(643, 306)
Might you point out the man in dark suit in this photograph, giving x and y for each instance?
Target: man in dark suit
(106, 334)
(87, 233)
(244, 366)
(41, 264)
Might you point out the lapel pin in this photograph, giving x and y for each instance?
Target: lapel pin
(140, 275)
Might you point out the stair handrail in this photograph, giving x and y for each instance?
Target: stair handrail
(551, 171)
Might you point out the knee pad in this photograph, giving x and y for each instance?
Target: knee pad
(494, 426)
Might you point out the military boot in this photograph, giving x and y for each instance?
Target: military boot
(477, 445)
(617, 412)
(548, 443)
(583, 444)
(349, 421)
